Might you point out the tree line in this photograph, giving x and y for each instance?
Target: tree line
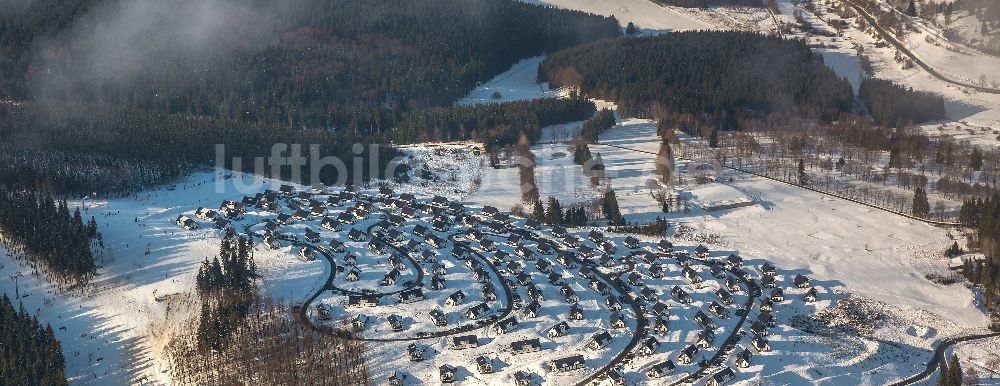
(29, 351)
(227, 291)
(270, 346)
(45, 231)
(893, 105)
(314, 63)
(722, 78)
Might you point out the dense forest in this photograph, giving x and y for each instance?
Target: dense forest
(241, 337)
(494, 124)
(893, 105)
(29, 351)
(42, 230)
(719, 77)
(94, 100)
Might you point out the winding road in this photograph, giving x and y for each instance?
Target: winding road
(902, 48)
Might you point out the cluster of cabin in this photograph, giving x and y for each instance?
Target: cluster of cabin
(506, 258)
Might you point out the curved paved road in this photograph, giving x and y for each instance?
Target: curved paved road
(939, 361)
(902, 48)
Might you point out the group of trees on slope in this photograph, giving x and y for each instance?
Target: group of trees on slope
(240, 336)
(893, 105)
(718, 77)
(29, 351)
(43, 230)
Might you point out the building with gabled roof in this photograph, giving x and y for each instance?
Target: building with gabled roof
(525, 346)
(464, 342)
(566, 364)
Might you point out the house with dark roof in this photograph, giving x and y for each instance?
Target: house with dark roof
(447, 373)
(186, 223)
(560, 329)
(704, 320)
(357, 301)
(718, 271)
(761, 344)
(660, 309)
(649, 346)
(661, 369)
(555, 278)
(725, 296)
(607, 247)
(721, 378)
(569, 294)
(411, 295)
(566, 364)
(395, 323)
(300, 215)
(683, 259)
(719, 310)
(455, 298)
(489, 292)
(311, 235)
(440, 318)
(616, 321)
(477, 311)
(608, 261)
(414, 352)
(656, 271)
(811, 295)
(692, 276)
(801, 281)
(307, 253)
(506, 325)
(743, 358)
(464, 342)
(330, 224)
(767, 269)
(648, 294)
(634, 279)
(522, 379)
(525, 346)
(390, 277)
(734, 261)
(631, 242)
(661, 325)
(768, 281)
(686, 355)
(665, 246)
(353, 275)
(680, 295)
(566, 259)
(575, 313)
(705, 338)
(701, 251)
(356, 235)
(777, 295)
(484, 364)
(758, 328)
(599, 341)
